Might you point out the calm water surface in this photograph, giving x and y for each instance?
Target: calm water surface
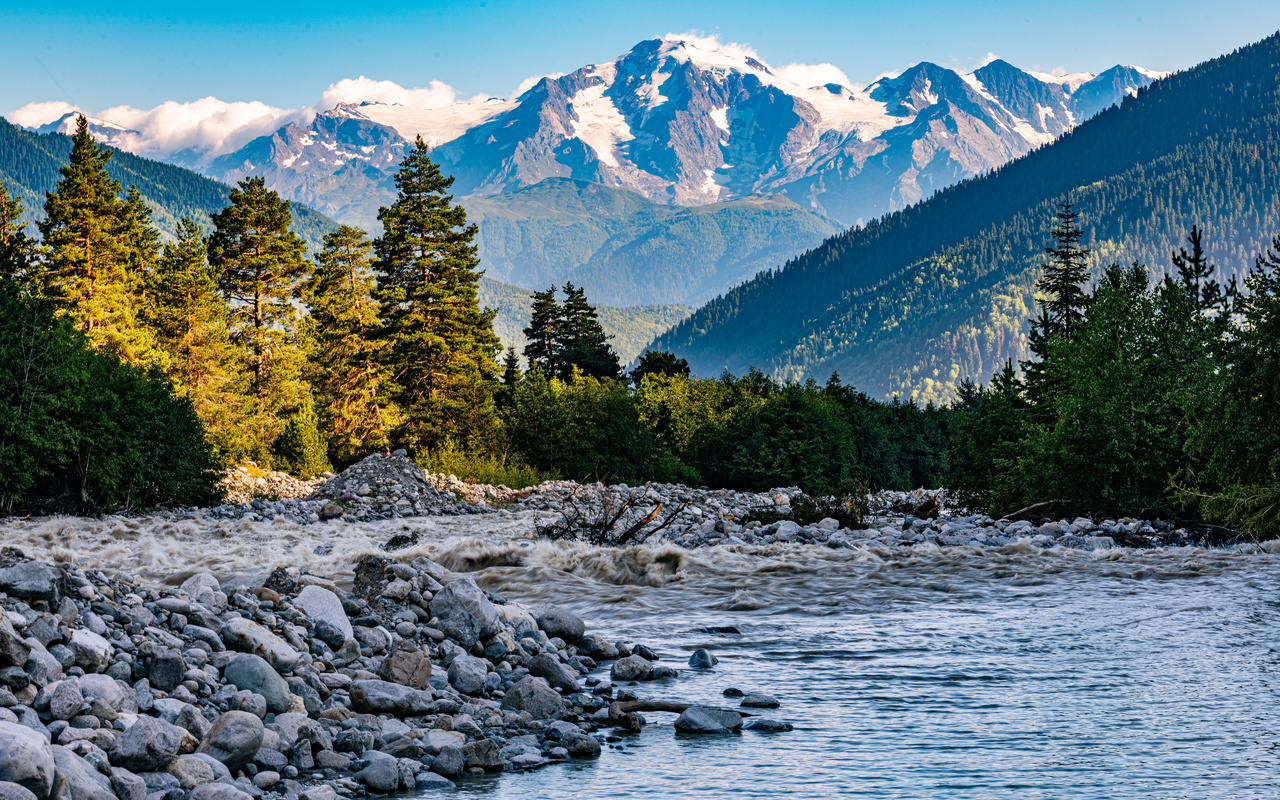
(959, 674)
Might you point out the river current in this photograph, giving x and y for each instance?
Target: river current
(984, 673)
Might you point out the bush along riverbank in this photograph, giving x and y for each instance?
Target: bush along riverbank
(298, 688)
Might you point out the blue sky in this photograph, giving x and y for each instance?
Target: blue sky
(96, 55)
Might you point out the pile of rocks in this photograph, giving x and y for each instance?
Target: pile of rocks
(378, 487)
(657, 512)
(246, 482)
(476, 493)
(112, 690)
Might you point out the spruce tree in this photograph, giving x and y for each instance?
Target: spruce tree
(91, 241)
(1195, 274)
(544, 345)
(17, 250)
(586, 345)
(348, 375)
(1064, 276)
(440, 344)
(261, 262)
(188, 316)
(510, 378)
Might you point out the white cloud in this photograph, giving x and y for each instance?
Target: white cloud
(209, 126)
(814, 75)
(356, 90)
(1058, 71)
(987, 59)
(33, 115)
(712, 42)
(531, 81)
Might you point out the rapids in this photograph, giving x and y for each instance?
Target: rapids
(924, 672)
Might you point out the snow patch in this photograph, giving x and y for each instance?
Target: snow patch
(599, 124)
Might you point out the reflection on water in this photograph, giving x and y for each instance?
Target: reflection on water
(922, 673)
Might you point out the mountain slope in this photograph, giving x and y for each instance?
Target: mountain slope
(30, 164)
(922, 298)
(624, 249)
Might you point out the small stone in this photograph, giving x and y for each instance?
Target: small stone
(450, 761)
(407, 665)
(331, 510)
(768, 726)
(759, 701)
(556, 622)
(699, 719)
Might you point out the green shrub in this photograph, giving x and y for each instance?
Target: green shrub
(300, 448)
(509, 471)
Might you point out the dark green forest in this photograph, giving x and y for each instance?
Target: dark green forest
(921, 299)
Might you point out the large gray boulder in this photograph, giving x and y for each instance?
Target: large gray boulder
(190, 771)
(318, 603)
(382, 775)
(467, 674)
(407, 665)
(110, 693)
(148, 745)
(77, 779)
(464, 613)
(631, 668)
(12, 791)
(699, 719)
(535, 696)
(381, 697)
(545, 665)
(30, 579)
(65, 701)
(254, 674)
(14, 652)
(26, 759)
(555, 621)
(218, 791)
(233, 739)
(248, 636)
(126, 785)
(92, 652)
(204, 589)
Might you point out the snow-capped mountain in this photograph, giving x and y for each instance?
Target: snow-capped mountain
(101, 130)
(688, 123)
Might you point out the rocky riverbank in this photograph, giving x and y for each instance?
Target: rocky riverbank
(410, 680)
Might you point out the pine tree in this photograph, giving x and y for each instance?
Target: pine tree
(348, 375)
(1195, 273)
(300, 448)
(17, 250)
(544, 347)
(1064, 276)
(441, 345)
(505, 393)
(188, 315)
(586, 346)
(261, 262)
(94, 242)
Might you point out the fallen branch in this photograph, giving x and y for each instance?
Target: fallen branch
(634, 529)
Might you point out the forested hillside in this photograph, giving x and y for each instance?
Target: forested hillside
(29, 164)
(920, 299)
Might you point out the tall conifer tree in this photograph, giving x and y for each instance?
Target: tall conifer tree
(94, 242)
(586, 345)
(17, 250)
(348, 375)
(544, 345)
(441, 345)
(261, 262)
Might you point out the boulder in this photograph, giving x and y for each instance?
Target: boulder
(107, 692)
(12, 791)
(220, 771)
(218, 791)
(127, 786)
(26, 759)
(190, 771)
(464, 613)
(77, 779)
(768, 726)
(318, 603)
(166, 670)
(485, 754)
(250, 637)
(252, 673)
(555, 621)
(756, 700)
(702, 659)
(594, 645)
(381, 697)
(29, 579)
(467, 674)
(407, 665)
(534, 695)
(204, 589)
(631, 668)
(699, 719)
(148, 745)
(233, 739)
(14, 652)
(545, 665)
(381, 776)
(65, 701)
(450, 761)
(92, 652)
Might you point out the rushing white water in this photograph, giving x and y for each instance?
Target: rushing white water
(924, 672)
